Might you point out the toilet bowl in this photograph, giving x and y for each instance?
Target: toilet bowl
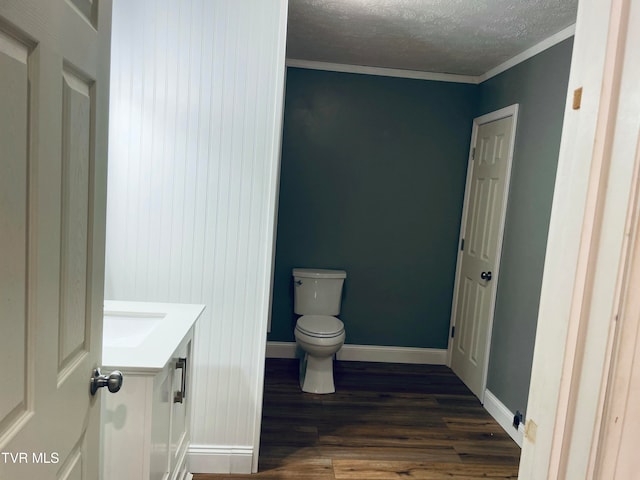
(318, 333)
(320, 337)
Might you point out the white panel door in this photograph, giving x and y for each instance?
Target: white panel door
(54, 64)
(482, 237)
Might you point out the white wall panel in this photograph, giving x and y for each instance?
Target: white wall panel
(196, 111)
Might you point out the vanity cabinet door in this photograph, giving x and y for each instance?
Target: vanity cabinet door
(181, 401)
(136, 427)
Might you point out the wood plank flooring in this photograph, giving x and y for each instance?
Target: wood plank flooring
(385, 421)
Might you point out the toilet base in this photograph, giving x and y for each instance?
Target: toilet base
(316, 374)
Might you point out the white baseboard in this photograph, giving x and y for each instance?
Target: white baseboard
(220, 458)
(503, 416)
(282, 350)
(368, 353)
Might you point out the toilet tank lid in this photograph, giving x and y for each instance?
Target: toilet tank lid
(318, 273)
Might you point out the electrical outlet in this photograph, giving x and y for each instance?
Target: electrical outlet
(518, 418)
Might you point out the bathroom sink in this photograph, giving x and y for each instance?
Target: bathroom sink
(142, 336)
(128, 330)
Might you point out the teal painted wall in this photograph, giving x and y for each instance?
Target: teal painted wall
(372, 181)
(539, 85)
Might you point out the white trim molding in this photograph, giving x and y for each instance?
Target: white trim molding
(503, 416)
(374, 353)
(220, 458)
(586, 255)
(435, 76)
(381, 71)
(368, 353)
(282, 350)
(529, 53)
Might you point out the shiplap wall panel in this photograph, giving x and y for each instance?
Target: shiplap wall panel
(196, 111)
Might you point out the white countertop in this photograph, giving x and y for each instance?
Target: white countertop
(142, 336)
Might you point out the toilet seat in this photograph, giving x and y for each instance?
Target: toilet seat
(320, 326)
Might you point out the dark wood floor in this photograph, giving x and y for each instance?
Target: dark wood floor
(385, 421)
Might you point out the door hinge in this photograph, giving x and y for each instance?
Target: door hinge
(473, 153)
(462, 245)
(453, 331)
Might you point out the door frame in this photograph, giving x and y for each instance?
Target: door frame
(510, 111)
(583, 327)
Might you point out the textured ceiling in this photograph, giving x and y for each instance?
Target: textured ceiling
(465, 37)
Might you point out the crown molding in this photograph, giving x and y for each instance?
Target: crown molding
(434, 76)
(529, 53)
(381, 72)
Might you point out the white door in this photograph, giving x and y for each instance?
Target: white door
(481, 241)
(54, 70)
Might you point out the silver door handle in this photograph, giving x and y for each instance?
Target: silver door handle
(182, 393)
(485, 276)
(113, 381)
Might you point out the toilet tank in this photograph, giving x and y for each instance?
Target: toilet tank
(317, 292)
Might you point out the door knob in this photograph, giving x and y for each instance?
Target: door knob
(485, 276)
(113, 381)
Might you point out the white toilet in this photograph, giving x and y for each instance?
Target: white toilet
(317, 297)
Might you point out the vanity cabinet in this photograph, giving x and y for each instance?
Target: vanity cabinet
(146, 425)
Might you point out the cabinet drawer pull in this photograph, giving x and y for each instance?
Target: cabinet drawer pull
(182, 393)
